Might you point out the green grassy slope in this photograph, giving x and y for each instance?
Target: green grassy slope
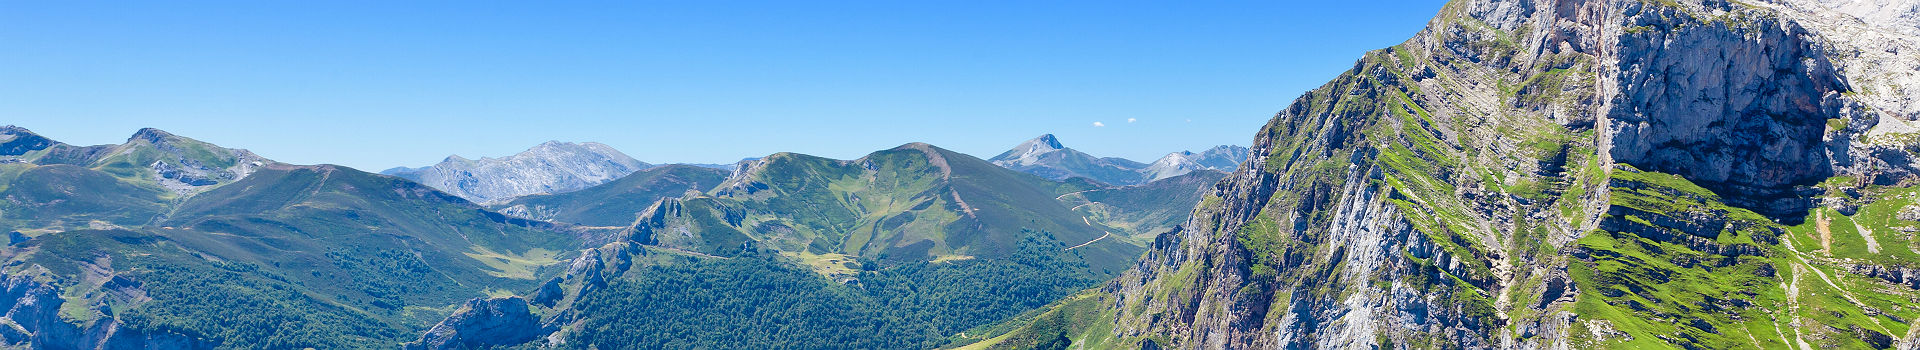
(56, 196)
(759, 300)
(913, 203)
(323, 256)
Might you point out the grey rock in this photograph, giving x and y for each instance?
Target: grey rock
(551, 167)
(483, 322)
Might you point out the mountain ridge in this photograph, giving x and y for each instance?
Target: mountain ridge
(1047, 157)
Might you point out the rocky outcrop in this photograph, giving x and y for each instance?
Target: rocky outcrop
(1748, 97)
(481, 323)
(551, 167)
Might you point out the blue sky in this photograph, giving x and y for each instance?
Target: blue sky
(379, 84)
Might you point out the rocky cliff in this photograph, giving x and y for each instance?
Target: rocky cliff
(551, 167)
(1555, 174)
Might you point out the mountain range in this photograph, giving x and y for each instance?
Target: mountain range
(558, 167)
(1531, 174)
(165, 241)
(1046, 157)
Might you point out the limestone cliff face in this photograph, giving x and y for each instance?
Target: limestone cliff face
(1552, 174)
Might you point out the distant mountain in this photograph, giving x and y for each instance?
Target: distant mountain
(1046, 157)
(916, 242)
(911, 203)
(51, 186)
(1219, 158)
(178, 164)
(619, 202)
(104, 253)
(551, 167)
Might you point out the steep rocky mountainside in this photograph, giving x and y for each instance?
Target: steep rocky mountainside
(48, 186)
(1558, 174)
(551, 167)
(1046, 157)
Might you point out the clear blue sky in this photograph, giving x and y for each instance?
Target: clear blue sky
(379, 84)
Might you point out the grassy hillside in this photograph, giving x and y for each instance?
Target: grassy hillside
(290, 257)
(912, 203)
(757, 300)
(37, 198)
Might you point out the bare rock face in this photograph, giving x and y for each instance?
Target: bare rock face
(1739, 106)
(481, 323)
(551, 167)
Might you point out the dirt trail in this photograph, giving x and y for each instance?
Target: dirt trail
(1096, 239)
(1826, 234)
(1064, 196)
(1873, 246)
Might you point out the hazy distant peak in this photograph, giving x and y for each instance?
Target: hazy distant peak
(549, 167)
(1030, 152)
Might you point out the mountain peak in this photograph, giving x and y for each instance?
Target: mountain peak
(1046, 140)
(16, 140)
(1029, 152)
(152, 135)
(549, 167)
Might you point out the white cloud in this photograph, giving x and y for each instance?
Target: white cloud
(1099, 124)
(1130, 120)
(1189, 120)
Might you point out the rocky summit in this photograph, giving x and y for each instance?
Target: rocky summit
(551, 167)
(1558, 174)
